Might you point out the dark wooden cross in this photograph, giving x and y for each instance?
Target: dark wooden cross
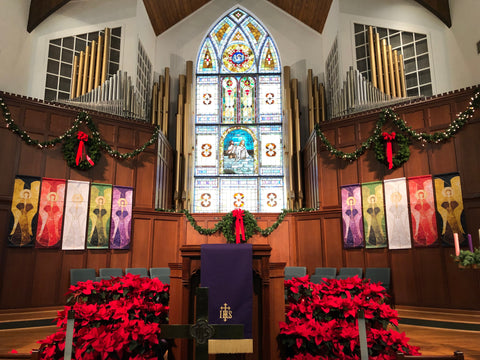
(201, 331)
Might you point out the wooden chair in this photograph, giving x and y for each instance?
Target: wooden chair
(457, 355)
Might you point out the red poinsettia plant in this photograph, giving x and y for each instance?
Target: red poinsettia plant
(321, 321)
(114, 319)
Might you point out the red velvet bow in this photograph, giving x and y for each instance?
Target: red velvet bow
(389, 138)
(239, 229)
(82, 137)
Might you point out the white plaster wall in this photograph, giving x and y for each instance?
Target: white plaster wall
(15, 46)
(447, 47)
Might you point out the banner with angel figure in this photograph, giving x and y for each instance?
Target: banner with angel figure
(120, 229)
(99, 216)
(450, 214)
(396, 209)
(24, 211)
(352, 216)
(374, 215)
(76, 214)
(50, 211)
(422, 210)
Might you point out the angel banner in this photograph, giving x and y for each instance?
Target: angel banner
(76, 214)
(121, 217)
(374, 215)
(422, 209)
(396, 209)
(352, 216)
(450, 214)
(99, 216)
(24, 211)
(50, 211)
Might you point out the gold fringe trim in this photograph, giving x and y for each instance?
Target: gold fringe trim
(230, 346)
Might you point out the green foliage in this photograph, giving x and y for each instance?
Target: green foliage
(404, 153)
(467, 258)
(401, 156)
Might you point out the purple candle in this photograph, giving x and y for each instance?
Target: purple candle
(470, 244)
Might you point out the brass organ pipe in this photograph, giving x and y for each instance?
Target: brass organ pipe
(73, 89)
(153, 118)
(85, 70)
(379, 62)
(80, 74)
(98, 63)
(402, 75)
(373, 66)
(166, 101)
(91, 69)
(385, 67)
(160, 103)
(397, 73)
(390, 71)
(106, 53)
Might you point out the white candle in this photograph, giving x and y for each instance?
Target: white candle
(457, 244)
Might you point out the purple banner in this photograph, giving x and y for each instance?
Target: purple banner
(226, 269)
(352, 216)
(121, 224)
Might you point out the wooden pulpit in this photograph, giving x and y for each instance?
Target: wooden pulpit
(268, 300)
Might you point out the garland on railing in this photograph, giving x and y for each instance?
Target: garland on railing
(69, 137)
(226, 224)
(377, 140)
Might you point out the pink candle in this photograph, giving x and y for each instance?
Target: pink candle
(457, 244)
(470, 244)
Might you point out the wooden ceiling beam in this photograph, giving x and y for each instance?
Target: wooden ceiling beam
(440, 8)
(40, 10)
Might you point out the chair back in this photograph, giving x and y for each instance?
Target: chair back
(381, 275)
(78, 275)
(295, 271)
(161, 273)
(326, 272)
(107, 273)
(143, 272)
(348, 272)
(457, 355)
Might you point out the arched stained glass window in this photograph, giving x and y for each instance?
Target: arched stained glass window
(238, 119)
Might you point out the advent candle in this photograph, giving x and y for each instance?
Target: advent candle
(457, 244)
(470, 244)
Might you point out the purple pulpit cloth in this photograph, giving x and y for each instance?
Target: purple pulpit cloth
(226, 269)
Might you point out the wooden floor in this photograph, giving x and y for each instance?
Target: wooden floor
(434, 335)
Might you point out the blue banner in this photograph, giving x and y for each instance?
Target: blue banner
(226, 269)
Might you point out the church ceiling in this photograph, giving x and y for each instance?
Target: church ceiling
(165, 14)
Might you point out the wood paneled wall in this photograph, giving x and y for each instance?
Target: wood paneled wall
(420, 276)
(40, 277)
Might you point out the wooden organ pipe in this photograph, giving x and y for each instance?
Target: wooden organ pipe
(98, 61)
(402, 75)
(80, 73)
(396, 69)
(386, 79)
(393, 90)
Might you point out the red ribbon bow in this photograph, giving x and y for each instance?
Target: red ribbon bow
(239, 229)
(389, 138)
(82, 137)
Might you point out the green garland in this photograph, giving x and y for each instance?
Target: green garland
(68, 136)
(226, 224)
(401, 156)
(388, 114)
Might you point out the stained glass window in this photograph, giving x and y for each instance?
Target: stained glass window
(238, 119)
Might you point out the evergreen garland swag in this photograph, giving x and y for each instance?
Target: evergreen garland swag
(226, 224)
(94, 145)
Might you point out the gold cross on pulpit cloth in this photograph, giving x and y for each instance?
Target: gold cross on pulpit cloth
(202, 331)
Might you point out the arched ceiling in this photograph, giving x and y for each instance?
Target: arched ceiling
(165, 14)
